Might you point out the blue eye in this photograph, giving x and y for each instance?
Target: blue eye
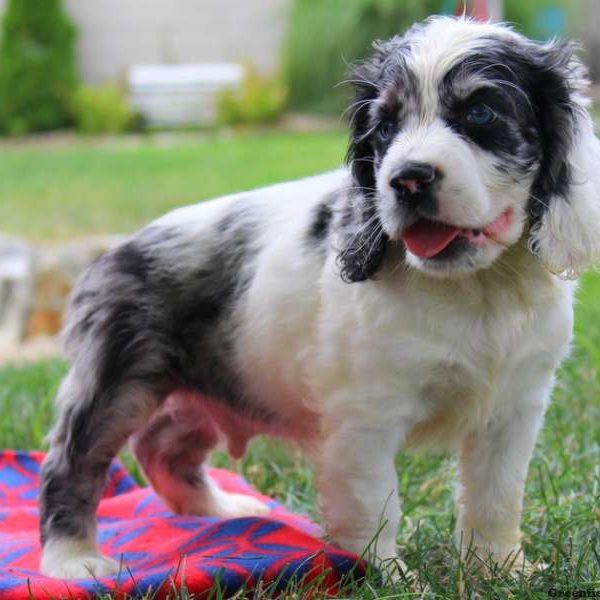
(386, 128)
(480, 114)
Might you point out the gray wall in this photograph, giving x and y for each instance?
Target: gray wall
(114, 34)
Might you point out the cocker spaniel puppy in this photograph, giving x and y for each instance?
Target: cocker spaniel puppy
(420, 297)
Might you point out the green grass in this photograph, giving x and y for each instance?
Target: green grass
(561, 521)
(56, 192)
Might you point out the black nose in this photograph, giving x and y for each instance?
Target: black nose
(413, 177)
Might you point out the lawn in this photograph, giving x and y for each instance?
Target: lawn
(58, 190)
(117, 189)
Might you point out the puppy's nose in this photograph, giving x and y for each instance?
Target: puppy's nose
(413, 177)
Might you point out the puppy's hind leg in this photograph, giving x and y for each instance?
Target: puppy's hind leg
(172, 449)
(92, 426)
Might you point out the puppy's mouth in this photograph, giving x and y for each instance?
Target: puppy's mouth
(429, 239)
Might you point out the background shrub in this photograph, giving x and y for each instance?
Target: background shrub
(37, 66)
(538, 19)
(260, 100)
(325, 35)
(102, 109)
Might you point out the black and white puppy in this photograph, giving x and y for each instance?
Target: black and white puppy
(420, 297)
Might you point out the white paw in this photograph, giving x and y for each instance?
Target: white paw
(85, 567)
(395, 570)
(231, 506)
(75, 559)
(502, 550)
(491, 556)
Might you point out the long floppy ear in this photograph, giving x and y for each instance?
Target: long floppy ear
(363, 239)
(565, 199)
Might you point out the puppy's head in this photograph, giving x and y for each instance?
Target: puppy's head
(467, 137)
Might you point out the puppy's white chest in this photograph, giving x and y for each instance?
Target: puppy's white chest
(442, 357)
(452, 398)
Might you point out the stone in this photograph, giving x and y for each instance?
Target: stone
(16, 284)
(35, 284)
(56, 270)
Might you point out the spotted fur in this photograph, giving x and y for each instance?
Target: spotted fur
(298, 310)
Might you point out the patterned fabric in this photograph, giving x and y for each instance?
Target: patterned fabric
(160, 549)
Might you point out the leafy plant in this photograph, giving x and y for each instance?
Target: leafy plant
(102, 109)
(325, 35)
(260, 100)
(37, 66)
(537, 19)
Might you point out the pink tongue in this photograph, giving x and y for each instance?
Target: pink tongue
(428, 238)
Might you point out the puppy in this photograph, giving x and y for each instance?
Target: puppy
(421, 297)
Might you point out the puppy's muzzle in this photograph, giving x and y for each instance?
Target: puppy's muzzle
(414, 184)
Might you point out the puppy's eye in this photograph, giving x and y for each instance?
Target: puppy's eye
(386, 129)
(480, 114)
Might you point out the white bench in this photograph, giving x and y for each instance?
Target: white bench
(181, 95)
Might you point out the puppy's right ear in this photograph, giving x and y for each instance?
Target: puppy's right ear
(365, 77)
(363, 239)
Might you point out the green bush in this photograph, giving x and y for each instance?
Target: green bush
(325, 35)
(37, 66)
(102, 109)
(260, 100)
(526, 15)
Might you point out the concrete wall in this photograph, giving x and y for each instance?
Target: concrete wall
(114, 34)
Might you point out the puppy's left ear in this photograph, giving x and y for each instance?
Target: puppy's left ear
(565, 197)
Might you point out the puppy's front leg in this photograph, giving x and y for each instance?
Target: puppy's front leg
(359, 488)
(493, 467)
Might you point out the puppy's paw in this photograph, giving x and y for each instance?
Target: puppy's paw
(519, 565)
(486, 552)
(231, 506)
(490, 559)
(395, 570)
(84, 567)
(67, 559)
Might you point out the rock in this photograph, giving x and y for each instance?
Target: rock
(16, 284)
(55, 271)
(38, 348)
(35, 283)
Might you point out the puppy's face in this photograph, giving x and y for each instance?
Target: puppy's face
(456, 147)
(460, 133)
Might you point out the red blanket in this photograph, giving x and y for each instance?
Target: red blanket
(160, 549)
